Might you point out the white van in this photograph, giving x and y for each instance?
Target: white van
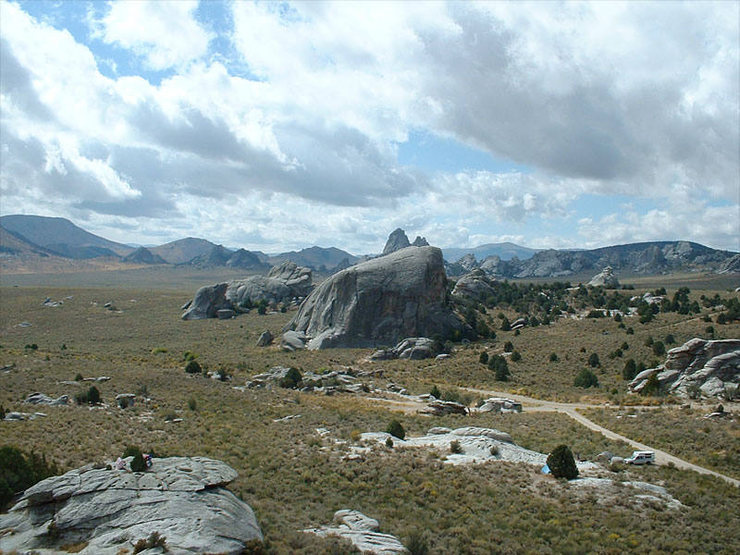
(641, 457)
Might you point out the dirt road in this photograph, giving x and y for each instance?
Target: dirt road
(571, 409)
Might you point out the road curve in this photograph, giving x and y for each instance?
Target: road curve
(571, 409)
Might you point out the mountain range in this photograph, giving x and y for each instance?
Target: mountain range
(53, 239)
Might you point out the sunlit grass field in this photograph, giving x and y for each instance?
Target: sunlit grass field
(295, 478)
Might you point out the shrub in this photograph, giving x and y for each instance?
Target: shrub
(630, 370)
(189, 355)
(652, 386)
(505, 324)
(500, 367)
(396, 429)
(19, 471)
(508, 347)
(586, 378)
(669, 339)
(561, 463)
(417, 543)
(435, 392)
(455, 447)
(154, 540)
(192, 404)
(658, 348)
(389, 443)
(593, 360)
(553, 357)
(292, 379)
(137, 463)
(89, 397)
(630, 331)
(193, 367)
(516, 356)
(79, 377)
(483, 358)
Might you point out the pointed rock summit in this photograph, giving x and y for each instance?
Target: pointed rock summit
(397, 240)
(420, 242)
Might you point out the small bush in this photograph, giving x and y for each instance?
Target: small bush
(193, 367)
(500, 367)
(585, 379)
(658, 348)
(189, 355)
(483, 358)
(516, 356)
(435, 392)
(89, 397)
(630, 370)
(508, 347)
(553, 357)
(593, 360)
(396, 429)
(455, 447)
(79, 377)
(19, 471)
(158, 350)
(192, 404)
(154, 540)
(137, 463)
(562, 464)
(292, 379)
(417, 544)
(669, 339)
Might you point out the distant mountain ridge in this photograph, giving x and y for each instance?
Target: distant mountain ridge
(62, 237)
(38, 238)
(652, 257)
(505, 251)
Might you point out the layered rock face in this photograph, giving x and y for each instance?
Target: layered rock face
(282, 283)
(379, 301)
(182, 499)
(698, 367)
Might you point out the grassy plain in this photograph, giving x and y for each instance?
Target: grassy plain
(295, 477)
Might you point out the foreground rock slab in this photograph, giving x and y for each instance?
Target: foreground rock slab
(362, 531)
(182, 499)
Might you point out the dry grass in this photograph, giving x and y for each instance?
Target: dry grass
(293, 477)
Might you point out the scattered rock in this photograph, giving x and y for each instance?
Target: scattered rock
(293, 341)
(402, 294)
(362, 531)
(605, 278)
(225, 314)
(413, 348)
(41, 399)
(125, 400)
(182, 499)
(442, 408)
(500, 404)
(265, 339)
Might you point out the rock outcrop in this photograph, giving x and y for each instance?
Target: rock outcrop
(605, 278)
(285, 282)
(362, 531)
(413, 348)
(182, 499)
(380, 301)
(397, 240)
(420, 242)
(476, 286)
(699, 367)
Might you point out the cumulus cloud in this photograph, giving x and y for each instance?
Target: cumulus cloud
(590, 98)
(164, 33)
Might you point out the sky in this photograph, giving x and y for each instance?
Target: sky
(278, 126)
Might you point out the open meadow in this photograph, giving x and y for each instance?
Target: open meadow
(295, 472)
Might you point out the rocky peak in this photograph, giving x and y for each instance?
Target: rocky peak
(420, 242)
(397, 240)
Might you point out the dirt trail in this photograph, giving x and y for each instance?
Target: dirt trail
(571, 409)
